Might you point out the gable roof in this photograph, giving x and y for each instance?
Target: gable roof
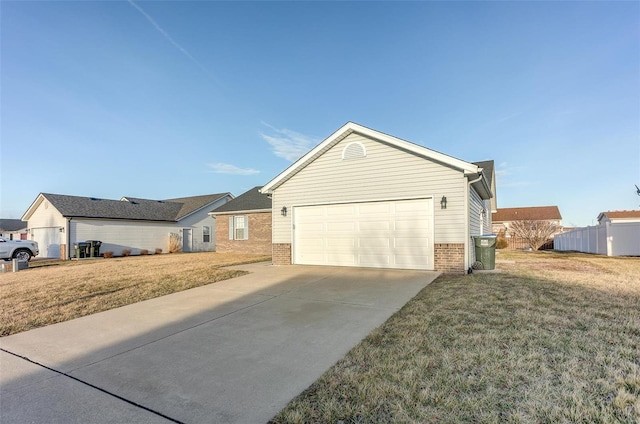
(251, 200)
(12, 224)
(534, 213)
(470, 169)
(128, 208)
(619, 215)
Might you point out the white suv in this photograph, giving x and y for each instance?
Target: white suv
(22, 250)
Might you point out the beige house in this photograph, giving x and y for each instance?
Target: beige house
(243, 225)
(616, 217)
(503, 217)
(363, 198)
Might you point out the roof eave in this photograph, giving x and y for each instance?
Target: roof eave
(212, 213)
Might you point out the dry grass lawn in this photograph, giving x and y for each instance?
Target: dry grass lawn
(554, 338)
(59, 291)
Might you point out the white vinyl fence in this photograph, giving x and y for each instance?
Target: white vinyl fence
(619, 239)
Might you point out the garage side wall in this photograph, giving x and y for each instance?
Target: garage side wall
(478, 223)
(384, 173)
(119, 235)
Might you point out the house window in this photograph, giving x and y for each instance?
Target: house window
(206, 234)
(238, 228)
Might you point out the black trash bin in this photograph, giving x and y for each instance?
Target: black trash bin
(82, 249)
(94, 248)
(486, 250)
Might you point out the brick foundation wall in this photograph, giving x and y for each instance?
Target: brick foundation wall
(281, 253)
(259, 241)
(449, 258)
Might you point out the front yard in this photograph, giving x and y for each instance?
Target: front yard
(554, 338)
(64, 290)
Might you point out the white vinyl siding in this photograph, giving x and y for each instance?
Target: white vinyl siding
(385, 173)
(44, 227)
(117, 235)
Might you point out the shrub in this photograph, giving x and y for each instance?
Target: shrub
(158, 251)
(502, 243)
(126, 252)
(144, 252)
(175, 243)
(108, 254)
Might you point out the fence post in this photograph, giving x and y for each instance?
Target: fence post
(609, 241)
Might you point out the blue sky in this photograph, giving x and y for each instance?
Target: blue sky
(170, 99)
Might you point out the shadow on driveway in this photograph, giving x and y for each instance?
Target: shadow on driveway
(236, 351)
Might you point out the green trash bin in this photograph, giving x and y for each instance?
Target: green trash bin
(486, 250)
(94, 248)
(82, 249)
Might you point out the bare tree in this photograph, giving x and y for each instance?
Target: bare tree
(535, 233)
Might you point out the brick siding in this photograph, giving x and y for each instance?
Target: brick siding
(449, 258)
(281, 253)
(259, 241)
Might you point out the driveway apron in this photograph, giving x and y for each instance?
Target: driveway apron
(236, 351)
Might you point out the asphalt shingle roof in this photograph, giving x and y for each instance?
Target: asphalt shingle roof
(534, 213)
(487, 166)
(12, 224)
(131, 208)
(249, 201)
(621, 214)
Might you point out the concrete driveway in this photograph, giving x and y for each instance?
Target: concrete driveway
(232, 352)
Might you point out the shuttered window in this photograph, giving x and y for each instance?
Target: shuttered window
(238, 227)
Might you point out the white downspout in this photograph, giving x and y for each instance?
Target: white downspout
(467, 239)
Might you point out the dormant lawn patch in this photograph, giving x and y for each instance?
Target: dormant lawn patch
(60, 291)
(554, 338)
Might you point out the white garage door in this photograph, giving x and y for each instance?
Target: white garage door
(49, 240)
(393, 234)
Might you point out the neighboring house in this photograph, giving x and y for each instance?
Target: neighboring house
(363, 198)
(503, 217)
(244, 224)
(58, 221)
(13, 229)
(617, 217)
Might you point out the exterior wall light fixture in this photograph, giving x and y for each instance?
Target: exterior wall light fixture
(283, 211)
(443, 202)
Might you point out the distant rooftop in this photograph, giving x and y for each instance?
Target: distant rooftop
(12, 225)
(129, 208)
(620, 214)
(534, 213)
(251, 200)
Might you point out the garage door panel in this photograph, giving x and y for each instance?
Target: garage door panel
(341, 243)
(341, 226)
(375, 261)
(375, 225)
(374, 208)
(340, 210)
(391, 234)
(374, 242)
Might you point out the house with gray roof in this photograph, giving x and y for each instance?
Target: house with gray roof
(13, 229)
(243, 225)
(58, 221)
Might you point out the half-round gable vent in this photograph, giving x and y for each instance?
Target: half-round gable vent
(354, 150)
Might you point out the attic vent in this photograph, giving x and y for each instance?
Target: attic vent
(354, 150)
(133, 202)
(94, 198)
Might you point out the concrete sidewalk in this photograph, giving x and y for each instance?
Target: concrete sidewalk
(236, 351)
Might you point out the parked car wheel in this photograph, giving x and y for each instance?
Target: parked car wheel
(22, 255)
